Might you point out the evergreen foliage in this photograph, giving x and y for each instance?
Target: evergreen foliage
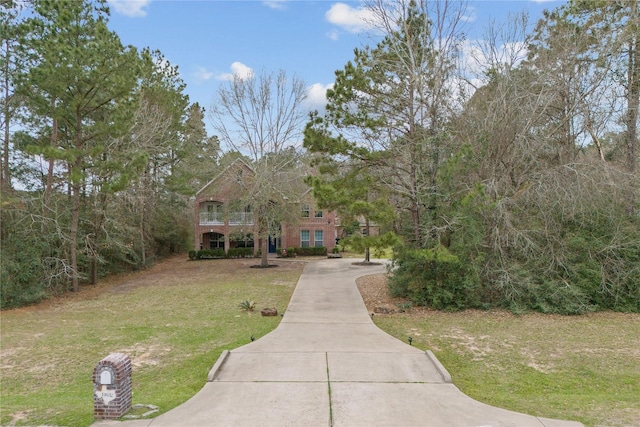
(516, 199)
(523, 195)
(120, 143)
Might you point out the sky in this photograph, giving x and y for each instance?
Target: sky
(209, 40)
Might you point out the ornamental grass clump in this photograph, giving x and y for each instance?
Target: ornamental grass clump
(247, 305)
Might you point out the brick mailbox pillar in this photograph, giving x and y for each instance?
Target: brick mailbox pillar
(112, 386)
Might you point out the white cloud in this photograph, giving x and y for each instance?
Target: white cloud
(470, 16)
(201, 74)
(275, 4)
(317, 96)
(333, 35)
(131, 8)
(478, 57)
(474, 60)
(349, 18)
(238, 69)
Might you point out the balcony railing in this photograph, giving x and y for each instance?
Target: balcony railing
(211, 218)
(236, 218)
(217, 218)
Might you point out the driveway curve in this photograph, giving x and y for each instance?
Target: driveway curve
(327, 364)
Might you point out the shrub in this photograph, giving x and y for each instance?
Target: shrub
(210, 253)
(433, 277)
(193, 255)
(310, 251)
(240, 253)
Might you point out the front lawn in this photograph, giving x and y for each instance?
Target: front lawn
(173, 320)
(584, 368)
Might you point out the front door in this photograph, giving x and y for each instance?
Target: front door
(273, 244)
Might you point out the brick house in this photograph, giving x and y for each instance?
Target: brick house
(221, 221)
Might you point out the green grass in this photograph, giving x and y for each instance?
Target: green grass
(348, 252)
(173, 321)
(583, 368)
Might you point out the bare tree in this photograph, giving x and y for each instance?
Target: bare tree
(261, 117)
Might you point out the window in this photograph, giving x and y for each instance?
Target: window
(364, 231)
(305, 211)
(318, 238)
(318, 214)
(214, 214)
(243, 241)
(304, 238)
(216, 241)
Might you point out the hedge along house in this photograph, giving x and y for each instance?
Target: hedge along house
(224, 220)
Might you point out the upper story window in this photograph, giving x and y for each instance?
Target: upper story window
(213, 207)
(305, 211)
(212, 213)
(318, 214)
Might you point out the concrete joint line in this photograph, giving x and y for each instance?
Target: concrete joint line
(329, 391)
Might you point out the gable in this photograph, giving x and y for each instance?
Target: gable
(231, 181)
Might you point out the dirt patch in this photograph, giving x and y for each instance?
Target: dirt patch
(375, 293)
(145, 355)
(18, 416)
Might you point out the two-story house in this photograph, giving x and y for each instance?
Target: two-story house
(222, 221)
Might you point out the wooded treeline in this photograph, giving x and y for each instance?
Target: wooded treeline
(511, 180)
(505, 169)
(101, 150)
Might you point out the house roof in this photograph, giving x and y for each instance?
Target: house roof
(222, 173)
(300, 193)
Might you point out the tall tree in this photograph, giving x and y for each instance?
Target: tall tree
(353, 192)
(198, 153)
(11, 63)
(537, 204)
(83, 82)
(157, 192)
(261, 116)
(389, 107)
(614, 28)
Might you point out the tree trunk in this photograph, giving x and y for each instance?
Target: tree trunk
(73, 235)
(100, 208)
(75, 188)
(143, 252)
(48, 190)
(633, 100)
(264, 247)
(367, 250)
(5, 176)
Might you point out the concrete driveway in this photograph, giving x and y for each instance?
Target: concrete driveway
(327, 364)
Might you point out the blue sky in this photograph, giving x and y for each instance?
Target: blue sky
(209, 39)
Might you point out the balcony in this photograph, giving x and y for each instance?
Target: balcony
(217, 218)
(238, 218)
(211, 218)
